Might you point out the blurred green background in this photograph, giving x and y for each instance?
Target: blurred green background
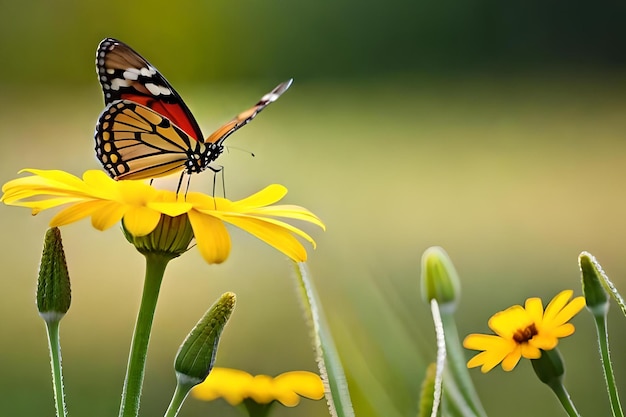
(494, 129)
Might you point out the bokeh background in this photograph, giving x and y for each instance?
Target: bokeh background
(495, 129)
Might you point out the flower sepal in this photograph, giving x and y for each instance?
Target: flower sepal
(549, 367)
(171, 237)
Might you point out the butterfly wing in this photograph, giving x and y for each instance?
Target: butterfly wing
(135, 142)
(126, 75)
(246, 116)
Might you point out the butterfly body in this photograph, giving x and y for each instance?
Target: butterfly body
(147, 130)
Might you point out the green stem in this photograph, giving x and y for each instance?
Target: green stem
(255, 409)
(131, 394)
(563, 396)
(52, 327)
(328, 361)
(178, 398)
(457, 366)
(603, 340)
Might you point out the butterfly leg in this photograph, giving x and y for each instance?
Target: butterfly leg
(218, 169)
(180, 183)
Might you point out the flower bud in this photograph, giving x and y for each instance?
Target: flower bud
(594, 279)
(440, 280)
(53, 286)
(196, 355)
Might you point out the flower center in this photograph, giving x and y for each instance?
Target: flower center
(525, 334)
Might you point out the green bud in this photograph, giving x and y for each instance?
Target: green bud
(594, 279)
(171, 237)
(440, 280)
(196, 355)
(53, 286)
(427, 394)
(549, 367)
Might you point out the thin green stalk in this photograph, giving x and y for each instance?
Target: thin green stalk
(457, 366)
(563, 396)
(178, 399)
(328, 361)
(131, 394)
(603, 340)
(52, 327)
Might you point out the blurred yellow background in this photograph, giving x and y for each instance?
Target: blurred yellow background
(494, 129)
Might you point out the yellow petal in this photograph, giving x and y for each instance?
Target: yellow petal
(556, 305)
(543, 341)
(268, 195)
(278, 237)
(486, 360)
(563, 330)
(290, 212)
(211, 237)
(479, 341)
(172, 209)
(230, 384)
(569, 311)
(534, 309)
(529, 351)
(306, 384)
(75, 212)
(44, 204)
(101, 184)
(202, 201)
(511, 360)
(506, 323)
(107, 214)
(139, 221)
(261, 390)
(57, 178)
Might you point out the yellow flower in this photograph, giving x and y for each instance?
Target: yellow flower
(524, 332)
(141, 206)
(235, 386)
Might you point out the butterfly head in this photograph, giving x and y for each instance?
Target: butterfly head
(201, 157)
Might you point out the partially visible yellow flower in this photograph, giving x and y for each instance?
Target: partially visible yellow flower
(141, 206)
(235, 386)
(524, 332)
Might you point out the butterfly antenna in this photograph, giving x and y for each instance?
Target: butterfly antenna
(228, 148)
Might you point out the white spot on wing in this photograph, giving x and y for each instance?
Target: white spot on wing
(165, 91)
(116, 83)
(157, 90)
(270, 97)
(148, 72)
(131, 74)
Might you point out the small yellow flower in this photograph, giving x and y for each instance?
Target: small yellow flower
(524, 332)
(235, 386)
(141, 206)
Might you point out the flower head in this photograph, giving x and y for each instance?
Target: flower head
(524, 332)
(141, 208)
(235, 386)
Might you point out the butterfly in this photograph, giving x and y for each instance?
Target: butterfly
(146, 130)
